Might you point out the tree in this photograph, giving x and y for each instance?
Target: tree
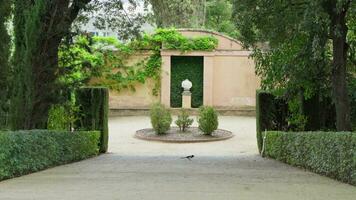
(219, 17)
(39, 27)
(337, 11)
(125, 18)
(179, 13)
(300, 46)
(5, 12)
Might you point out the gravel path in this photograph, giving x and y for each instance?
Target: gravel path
(142, 170)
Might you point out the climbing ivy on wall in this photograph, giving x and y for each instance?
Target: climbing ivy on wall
(191, 68)
(107, 58)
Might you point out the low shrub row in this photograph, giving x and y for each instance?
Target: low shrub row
(23, 152)
(327, 153)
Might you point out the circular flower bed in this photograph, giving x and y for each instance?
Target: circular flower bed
(192, 134)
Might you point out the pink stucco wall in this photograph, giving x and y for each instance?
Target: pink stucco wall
(229, 77)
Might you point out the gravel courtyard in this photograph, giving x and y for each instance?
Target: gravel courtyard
(138, 169)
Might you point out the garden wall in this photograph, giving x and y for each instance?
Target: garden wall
(229, 77)
(234, 79)
(235, 82)
(140, 98)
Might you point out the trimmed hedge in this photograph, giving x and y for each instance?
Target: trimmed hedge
(23, 152)
(93, 103)
(272, 114)
(187, 67)
(328, 153)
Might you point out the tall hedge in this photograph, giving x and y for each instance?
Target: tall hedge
(23, 152)
(187, 67)
(271, 114)
(93, 103)
(328, 153)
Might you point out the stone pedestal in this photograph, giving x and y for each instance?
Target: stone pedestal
(186, 99)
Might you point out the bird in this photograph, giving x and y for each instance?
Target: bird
(188, 157)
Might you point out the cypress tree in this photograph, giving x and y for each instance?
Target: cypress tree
(5, 13)
(39, 27)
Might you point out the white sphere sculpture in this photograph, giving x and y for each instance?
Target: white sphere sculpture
(186, 84)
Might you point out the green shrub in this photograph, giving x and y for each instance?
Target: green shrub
(328, 153)
(93, 104)
(208, 119)
(183, 120)
(58, 118)
(23, 152)
(161, 118)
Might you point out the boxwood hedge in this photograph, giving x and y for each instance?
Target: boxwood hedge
(327, 153)
(23, 152)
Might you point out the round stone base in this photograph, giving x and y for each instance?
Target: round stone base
(192, 134)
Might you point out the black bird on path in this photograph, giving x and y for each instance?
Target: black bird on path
(188, 157)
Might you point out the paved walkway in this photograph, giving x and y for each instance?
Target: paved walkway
(144, 170)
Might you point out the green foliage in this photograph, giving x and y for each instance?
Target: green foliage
(39, 28)
(296, 121)
(274, 113)
(328, 153)
(183, 121)
(5, 75)
(93, 104)
(58, 118)
(294, 53)
(178, 13)
(208, 119)
(62, 117)
(113, 14)
(192, 68)
(78, 62)
(219, 17)
(161, 118)
(106, 58)
(23, 152)
(271, 114)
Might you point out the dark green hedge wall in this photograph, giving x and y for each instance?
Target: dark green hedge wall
(187, 67)
(271, 114)
(94, 107)
(23, 152)
(328, 153)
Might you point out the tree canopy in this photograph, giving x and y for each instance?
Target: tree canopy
(302, 46)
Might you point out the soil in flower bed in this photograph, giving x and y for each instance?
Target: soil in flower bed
(192, 134)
